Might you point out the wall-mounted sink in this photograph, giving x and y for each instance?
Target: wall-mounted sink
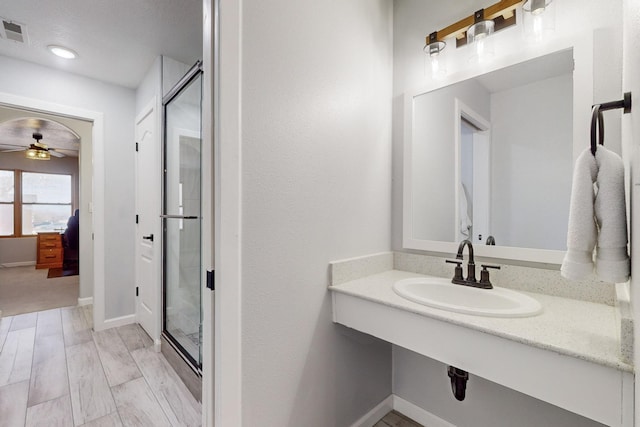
(441, 293)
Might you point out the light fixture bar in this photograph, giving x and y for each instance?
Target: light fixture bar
(503, 9)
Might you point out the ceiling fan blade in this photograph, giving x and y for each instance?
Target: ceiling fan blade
(12, 150)
(68, 153)
(56, 153)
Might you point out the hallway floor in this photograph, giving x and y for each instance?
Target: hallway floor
(55, 370)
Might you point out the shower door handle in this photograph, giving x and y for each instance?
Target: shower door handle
(178, 217)
(149, 237)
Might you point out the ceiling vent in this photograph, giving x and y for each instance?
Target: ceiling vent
(14, 31)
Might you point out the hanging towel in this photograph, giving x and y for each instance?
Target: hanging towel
(582, 232)
(465, 221)
(597, 215)
(612, 260)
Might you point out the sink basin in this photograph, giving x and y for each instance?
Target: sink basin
(441, 293)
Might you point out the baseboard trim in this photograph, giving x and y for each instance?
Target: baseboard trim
(374, 415)
(119, 321)
(85, 301)
(18, 264)
(418, 414)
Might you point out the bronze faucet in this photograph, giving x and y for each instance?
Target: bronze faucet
(470, 280)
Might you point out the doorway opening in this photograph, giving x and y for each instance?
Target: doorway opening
(45, 222)
(473, 176)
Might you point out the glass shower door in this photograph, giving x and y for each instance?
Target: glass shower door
(182, 218)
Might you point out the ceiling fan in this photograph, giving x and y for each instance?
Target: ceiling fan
(37, 150)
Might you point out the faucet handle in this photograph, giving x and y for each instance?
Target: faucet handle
(484, 275)
(457, 275)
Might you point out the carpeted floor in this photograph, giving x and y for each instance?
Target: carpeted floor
(25, 290)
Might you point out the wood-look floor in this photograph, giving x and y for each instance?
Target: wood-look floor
(56, 371)
(396, 419)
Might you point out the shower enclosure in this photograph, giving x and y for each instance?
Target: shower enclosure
(181, 219)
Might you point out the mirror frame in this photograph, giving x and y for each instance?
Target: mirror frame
(582, 100)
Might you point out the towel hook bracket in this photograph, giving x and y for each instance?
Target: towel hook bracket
(597, 120)
(624, 103)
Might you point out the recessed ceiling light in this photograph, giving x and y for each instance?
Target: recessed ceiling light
(62, 52)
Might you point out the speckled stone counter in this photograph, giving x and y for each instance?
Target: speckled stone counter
(580, 329)
(576, 354)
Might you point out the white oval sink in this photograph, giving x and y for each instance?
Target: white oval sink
(441, 293)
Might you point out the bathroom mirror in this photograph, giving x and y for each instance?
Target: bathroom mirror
(492, 155)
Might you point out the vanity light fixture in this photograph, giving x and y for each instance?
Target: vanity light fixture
(475, 28)
(433, 49)
(62, 52)
(539, 18)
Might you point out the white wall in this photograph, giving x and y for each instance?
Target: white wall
(315, 187)
(424, 382)
(150, 86)
(521, 159)
(631, 155)
(413, 20)
(172, 72)
(118, 106)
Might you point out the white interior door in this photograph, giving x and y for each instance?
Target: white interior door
(148, 236)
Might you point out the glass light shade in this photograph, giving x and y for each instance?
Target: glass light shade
(437, 66)
(479, 40)
(35, 154)
(539, 19)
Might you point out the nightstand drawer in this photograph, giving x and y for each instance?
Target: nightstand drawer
(50, 245)
(51, 255)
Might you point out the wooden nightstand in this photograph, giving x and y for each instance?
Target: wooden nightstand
(49, 250)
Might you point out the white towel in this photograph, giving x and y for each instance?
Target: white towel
(612, 260)
(597, 215)
(465, 221)
(582, 232)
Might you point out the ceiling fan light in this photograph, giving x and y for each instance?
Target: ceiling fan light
(34, 153)
(62, 52)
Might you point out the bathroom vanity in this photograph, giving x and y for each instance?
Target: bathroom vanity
(575, 354)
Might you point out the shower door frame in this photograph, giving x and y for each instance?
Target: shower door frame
(193, 73)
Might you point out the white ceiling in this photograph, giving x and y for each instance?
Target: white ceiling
(116, 40)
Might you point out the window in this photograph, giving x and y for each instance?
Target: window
(33, 202)
(7, 202)
(46, 202)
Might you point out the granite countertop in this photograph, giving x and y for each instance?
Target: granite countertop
(580, 329)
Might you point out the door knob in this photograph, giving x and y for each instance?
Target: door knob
(149, 237)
